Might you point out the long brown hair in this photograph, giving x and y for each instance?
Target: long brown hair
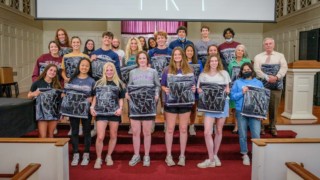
(185, 68)
(207, 65)
(67, 43)
(55, 81)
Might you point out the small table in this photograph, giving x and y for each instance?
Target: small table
(6, 88)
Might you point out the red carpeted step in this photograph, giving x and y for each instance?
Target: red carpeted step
(158, 137)
(230, 169)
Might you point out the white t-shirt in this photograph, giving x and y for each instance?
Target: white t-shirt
(221, 77)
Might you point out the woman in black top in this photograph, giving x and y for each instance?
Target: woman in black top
(47, 80)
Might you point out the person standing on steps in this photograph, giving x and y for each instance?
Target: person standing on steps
(239, 88)
(213, 73)
(109, 78)
(143, 75)
(274, 82)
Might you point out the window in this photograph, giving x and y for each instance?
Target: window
(149, 27)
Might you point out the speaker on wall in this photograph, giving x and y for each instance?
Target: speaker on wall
(303, 43)
(309, 49)
(313, 45)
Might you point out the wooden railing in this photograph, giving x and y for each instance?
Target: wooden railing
(287, 7)
(301, 171)
(27, 172)
(25, 7)
(264, 142)
(16, 171)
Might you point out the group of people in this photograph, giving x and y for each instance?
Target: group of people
(66, 68)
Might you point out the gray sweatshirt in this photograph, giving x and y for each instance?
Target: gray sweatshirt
(141, 77)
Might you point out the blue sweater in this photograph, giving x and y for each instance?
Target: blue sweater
(102, 54)
(179, 43)
(236, 91)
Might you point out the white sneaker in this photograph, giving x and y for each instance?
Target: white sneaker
(109, 161)
(217, 160)
(98, 163)
(75, 159)
(192, 130)
(206, 163)
(80, 131)
(146, 161)
(85, 159)
(93, 132)
(130, 130)
(134, 160)
(246, 160)
(182, 161)
(55, 132)
(69, 133)
(170, 161)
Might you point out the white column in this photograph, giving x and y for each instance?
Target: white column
(32, 8)
(285, 7)
(298, 5)
(299, 94)
(21, 5)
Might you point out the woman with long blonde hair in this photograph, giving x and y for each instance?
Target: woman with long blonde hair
(109, 78)
(178, 65)
(132, 49)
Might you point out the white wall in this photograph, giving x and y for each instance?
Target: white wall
(20, 44)
(286, 31)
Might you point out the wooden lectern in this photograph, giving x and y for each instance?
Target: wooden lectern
(299, 90)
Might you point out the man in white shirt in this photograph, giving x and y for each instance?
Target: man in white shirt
(276, 62)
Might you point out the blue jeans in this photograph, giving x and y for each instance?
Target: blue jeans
(243, 123)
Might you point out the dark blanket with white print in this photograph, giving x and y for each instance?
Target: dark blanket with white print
(48, 104)
(256, 102)
(97, 66)
(196, 70)
(180, 94)
(272, 69)
(125, 72)
(71, 64)
(142, 100)
(159, 63)
(213, 97)
(235, 74)
(75, 104)
(107, 100)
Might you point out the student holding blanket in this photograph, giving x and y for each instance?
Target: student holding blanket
(213, 73)
(109, 78)
(241, 56)
(80, 82)
(271, 67)
(193, 60)
(47, 79)
(143, 75)
(178, 66)
(239, 88)
(70, 62)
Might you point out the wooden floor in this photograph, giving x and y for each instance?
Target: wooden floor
(199, 119)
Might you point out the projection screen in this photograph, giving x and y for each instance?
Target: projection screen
(188, 10)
